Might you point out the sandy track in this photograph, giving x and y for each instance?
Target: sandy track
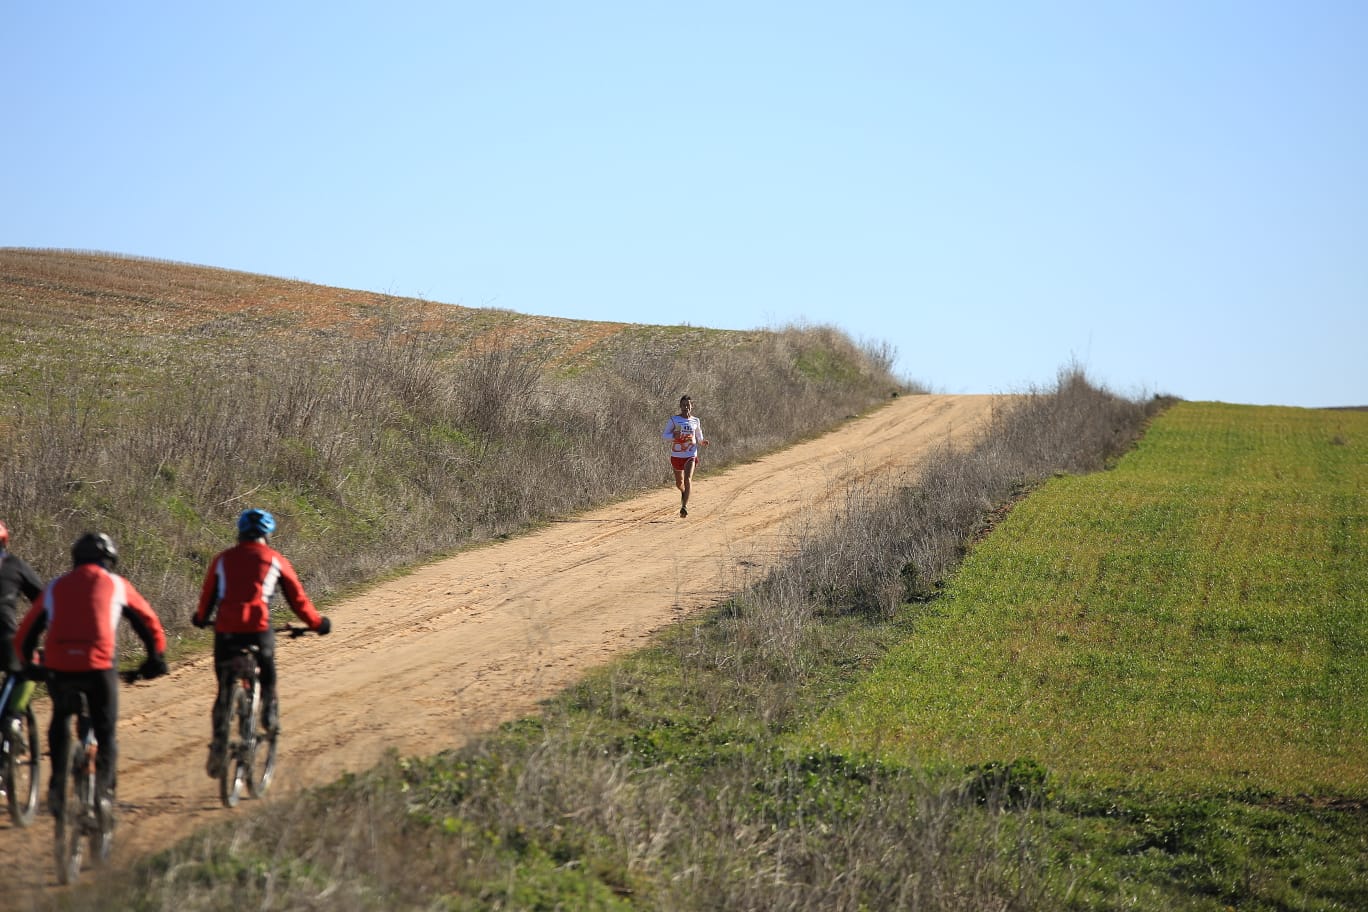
(422, 662)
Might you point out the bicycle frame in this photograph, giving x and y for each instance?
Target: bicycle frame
(250, 754)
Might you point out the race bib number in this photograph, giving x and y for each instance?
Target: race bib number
(683, 437)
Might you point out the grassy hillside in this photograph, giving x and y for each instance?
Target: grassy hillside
(155, 400)
(1196, 619)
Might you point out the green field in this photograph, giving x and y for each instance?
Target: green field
(1195, 619)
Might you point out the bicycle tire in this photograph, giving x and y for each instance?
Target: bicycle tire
(67, 838)
(22, 774)
(66, 852)
(235, 766)
(100, 829)
(263, 761)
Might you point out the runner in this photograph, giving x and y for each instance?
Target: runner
(685, 434)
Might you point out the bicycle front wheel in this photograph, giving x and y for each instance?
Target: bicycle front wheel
(21, 768)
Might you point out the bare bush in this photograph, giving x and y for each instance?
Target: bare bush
(880, 354)
(497, 381)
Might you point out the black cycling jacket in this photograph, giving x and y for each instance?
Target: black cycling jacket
(16, 578)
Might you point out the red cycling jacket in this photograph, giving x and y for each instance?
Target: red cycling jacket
(80, 611)
(240, 583)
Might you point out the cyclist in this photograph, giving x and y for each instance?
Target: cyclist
(16, 578)
(239, 585)
(80, 612)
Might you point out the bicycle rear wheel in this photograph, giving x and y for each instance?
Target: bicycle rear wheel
(21, 768)
(66, 845)
(262, 767)
(236, 765)
(100, 828)
(67, 835)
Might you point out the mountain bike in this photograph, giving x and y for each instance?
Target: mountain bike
(250, 755)
(88, 820)
(19, 757)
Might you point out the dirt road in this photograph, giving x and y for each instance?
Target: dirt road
(422, 662)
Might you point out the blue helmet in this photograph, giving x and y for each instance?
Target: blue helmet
(256, 523)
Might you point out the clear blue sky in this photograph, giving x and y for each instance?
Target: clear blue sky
(1172, 193)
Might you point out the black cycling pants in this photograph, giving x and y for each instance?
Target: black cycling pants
(101, 689)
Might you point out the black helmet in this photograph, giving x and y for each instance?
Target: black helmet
(95, 548)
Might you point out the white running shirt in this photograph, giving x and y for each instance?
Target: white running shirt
(691, 432)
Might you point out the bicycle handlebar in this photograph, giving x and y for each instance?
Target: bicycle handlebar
(41, 674)
(294, 631)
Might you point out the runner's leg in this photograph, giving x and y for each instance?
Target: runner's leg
(686, 486)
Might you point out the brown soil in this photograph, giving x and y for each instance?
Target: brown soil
(421, 663)
(55, 299)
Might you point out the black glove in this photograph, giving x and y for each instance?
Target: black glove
(154, 667)
(324, 627)
(201, 624)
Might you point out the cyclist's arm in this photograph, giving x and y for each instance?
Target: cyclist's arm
(144, 621)
(30, 583)
(296, 597)
(30, 630)
(209, 593)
